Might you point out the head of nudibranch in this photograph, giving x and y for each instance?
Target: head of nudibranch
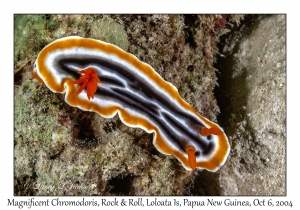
(100, 77)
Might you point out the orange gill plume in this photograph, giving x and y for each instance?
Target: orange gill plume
(89, 80)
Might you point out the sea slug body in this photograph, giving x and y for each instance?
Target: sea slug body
(100, 77)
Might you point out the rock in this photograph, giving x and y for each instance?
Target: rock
(252, 96)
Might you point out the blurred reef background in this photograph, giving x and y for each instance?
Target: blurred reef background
(230, 68)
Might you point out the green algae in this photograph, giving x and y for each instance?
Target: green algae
(30, 36)
(35, 125)
(35, 112)
(33, 32)
(108, 30)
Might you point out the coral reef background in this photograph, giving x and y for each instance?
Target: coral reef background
(254, 112)
(61, 150)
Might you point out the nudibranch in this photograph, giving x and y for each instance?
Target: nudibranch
(100, 77)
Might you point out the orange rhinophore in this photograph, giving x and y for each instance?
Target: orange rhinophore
(137, 93)
(209, 131)
(190, 151)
